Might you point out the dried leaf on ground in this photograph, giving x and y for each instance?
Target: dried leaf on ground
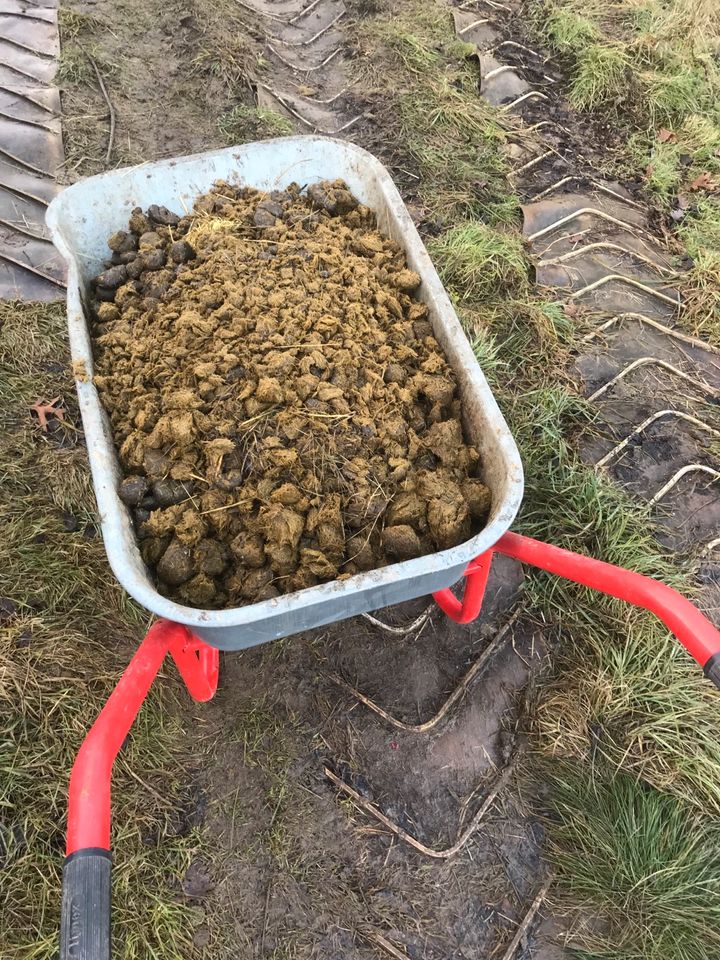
(703, 181)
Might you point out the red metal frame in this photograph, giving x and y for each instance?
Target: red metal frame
(696, 633)
(89, 799)
(476, 578)
(86, 928)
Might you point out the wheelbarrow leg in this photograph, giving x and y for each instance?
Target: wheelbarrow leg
(692, 628)
(85, 922)
(476, 578)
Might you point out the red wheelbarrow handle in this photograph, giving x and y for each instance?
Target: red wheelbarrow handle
(85, 924)
(692, 628)
(86, 893)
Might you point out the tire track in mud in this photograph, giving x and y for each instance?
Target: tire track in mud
(305, 43)
(593, 242)
(31, 150)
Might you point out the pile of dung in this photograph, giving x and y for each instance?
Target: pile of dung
(282, 411)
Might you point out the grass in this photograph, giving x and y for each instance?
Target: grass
(701, 234)
(662, 51)
(424, 93)
(244, 123)
(69, 635)
(570, 32)
(659, 162)
(653, 66)
(227, 54)
(701, 287)
(79, 48)
(75, 66)
(653, 864)
(75, 23)
(672, 95)
(481, 262)
(617, 671)
(600, 77)
(264, 736)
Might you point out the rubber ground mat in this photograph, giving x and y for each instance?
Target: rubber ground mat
(31, 149)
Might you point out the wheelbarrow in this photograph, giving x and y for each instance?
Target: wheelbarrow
(81, 219)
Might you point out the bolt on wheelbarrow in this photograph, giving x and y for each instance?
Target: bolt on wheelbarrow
(80, 220)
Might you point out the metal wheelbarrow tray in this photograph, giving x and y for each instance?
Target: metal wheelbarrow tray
(83, 217)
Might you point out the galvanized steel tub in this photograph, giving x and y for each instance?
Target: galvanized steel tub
(83, 217)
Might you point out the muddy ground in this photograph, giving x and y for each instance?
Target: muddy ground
(299, 871)
(159, 60)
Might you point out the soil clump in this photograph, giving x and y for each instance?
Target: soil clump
(283, 414)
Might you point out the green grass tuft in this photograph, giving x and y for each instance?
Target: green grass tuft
(601, 76)
(700, 232)
(652, 63)
(243, 124)
(456, 143)
(414, 52)
(569, 32)
(74, 66)
(660, 163)
(669, 96)
(479, 262)
(648, 864)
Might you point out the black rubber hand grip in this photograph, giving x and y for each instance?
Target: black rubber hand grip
(712, 669)
(86, 892)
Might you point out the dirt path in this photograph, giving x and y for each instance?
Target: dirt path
(169, 70)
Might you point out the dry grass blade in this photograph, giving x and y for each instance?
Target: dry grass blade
(399, 631)
(447, 852)
(457, 694)
(522, 930)
(380, 941)
(226, 506)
